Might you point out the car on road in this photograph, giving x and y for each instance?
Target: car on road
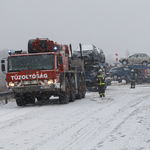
(101, 56)
(89, 53)
(137, 58)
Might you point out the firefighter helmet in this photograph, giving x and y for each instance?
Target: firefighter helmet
(100, 70)
(132, 70)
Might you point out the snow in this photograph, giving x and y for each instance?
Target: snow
(120, 121)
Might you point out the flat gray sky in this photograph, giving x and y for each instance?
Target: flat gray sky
(112, 25)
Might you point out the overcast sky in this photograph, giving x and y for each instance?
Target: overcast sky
(112, 25)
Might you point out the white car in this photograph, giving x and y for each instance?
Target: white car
(137, 58)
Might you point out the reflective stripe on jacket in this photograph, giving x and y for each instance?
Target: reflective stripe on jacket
(100, 80)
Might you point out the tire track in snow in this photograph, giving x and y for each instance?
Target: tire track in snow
(98, 130)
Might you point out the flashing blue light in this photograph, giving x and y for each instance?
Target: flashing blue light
(9, 52)
(55, 48)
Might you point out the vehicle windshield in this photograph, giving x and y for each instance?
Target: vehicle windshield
(107, 69)
(37, 62)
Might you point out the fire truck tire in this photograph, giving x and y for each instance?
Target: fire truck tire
(39, 99)
(83, 88)
(79, 96)
(43, 97)
(32, 100)
(72, 90)
(20, 102)
(65, 97)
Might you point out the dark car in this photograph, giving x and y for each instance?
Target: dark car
(118, 72)
(101, 56)
(107, 70)
(89, 53)
(91, 73)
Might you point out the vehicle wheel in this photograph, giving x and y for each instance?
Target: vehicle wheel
(115, 77)
(124, 62)
(72, 90)
(20, 102)
(43, 97)
(120, 81)
(139, 81)
(31, 100)
(83, 88)
(65, 97)
(144, 63)
(39, 99)
(79, 96)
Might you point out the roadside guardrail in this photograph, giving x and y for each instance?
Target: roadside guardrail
(6, 95)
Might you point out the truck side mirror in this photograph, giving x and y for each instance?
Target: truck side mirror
(60, 60)
(3, 67)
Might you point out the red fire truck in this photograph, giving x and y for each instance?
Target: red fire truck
(45, 70)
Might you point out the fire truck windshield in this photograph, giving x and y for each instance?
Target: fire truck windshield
(36, 62)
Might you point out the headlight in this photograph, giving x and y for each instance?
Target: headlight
(50, 82)
(11, 84)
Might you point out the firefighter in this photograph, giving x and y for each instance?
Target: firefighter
(132, 78)
(101, 83)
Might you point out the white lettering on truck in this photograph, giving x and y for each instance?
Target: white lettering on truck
(33, 76)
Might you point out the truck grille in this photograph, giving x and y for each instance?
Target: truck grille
(33, 82)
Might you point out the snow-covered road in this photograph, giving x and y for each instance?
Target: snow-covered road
(120, 121)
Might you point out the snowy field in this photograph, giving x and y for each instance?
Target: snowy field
(120, 121)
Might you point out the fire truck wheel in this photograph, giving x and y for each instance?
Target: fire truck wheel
(72, 90)
(80, 89)
(39, 99)
(32, 100)
(43, 97)
(64, 99)
(83, 88)
(20, 102)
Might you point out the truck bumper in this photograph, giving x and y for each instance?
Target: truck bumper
(35, 89)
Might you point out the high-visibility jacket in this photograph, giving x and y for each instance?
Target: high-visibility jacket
(100, 80)
(132, 76)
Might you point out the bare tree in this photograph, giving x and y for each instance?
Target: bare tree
(127, 53)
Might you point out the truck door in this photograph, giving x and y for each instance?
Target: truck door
(57, 69)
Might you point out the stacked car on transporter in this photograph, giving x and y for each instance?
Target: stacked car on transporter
(138, 61)
(94, 59)
(44, 71)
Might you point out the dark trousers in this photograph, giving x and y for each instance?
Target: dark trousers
(101, 89)
(132, 84)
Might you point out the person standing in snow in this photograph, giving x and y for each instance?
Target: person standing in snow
(132, 78)
(101, 83)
